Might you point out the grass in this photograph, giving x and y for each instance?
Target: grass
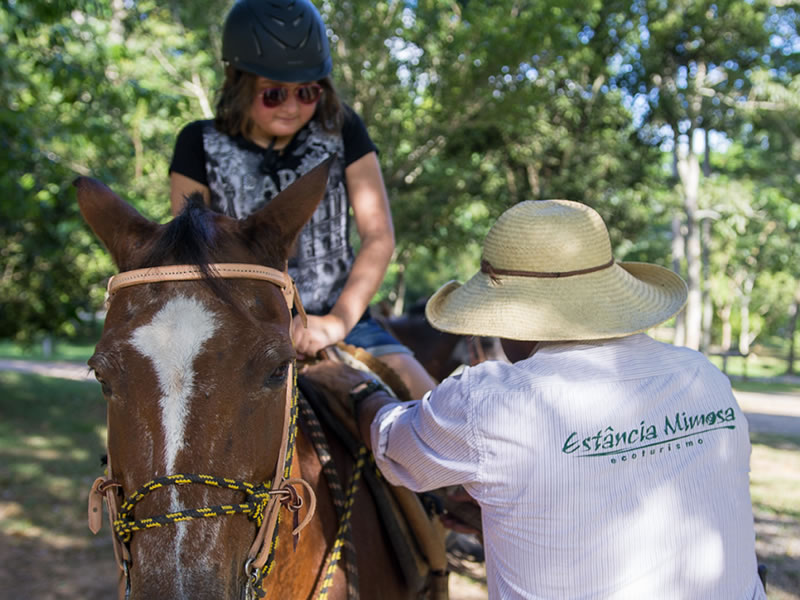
(755, 365)
(52, 434)
(775, 474)
(775, 491)
(62, 350)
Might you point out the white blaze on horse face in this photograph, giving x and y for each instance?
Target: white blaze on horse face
(172, 341)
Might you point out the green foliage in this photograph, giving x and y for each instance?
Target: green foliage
(71, 349)
(475, 106)
(478, 106)
(90, 90)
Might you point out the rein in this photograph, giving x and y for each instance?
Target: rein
(263, 500)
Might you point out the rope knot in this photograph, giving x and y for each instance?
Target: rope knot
(290, 499)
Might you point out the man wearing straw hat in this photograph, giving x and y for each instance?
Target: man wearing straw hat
(606, 464)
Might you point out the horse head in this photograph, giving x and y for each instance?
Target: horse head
(196, 373)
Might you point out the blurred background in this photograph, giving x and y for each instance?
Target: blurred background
(679, 121)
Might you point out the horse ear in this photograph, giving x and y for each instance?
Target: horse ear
(284, 216)
(118, 225)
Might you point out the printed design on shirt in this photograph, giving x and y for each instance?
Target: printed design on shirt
(610, 441)
(239, 187)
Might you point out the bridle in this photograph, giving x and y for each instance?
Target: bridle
(264, 500)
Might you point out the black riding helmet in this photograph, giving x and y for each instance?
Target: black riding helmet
(282, 40)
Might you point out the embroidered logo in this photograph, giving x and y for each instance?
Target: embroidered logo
(609, 441)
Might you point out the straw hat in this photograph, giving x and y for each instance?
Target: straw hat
(548, 274)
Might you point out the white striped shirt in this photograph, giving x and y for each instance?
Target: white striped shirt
(609, 469)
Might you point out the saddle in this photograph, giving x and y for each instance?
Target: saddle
(451, 500)
(411, 521)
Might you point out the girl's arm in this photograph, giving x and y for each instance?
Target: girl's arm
(181, 187)
(373, 220)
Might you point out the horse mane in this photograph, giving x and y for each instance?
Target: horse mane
(189, 239)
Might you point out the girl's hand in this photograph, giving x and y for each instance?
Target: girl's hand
(322, 331)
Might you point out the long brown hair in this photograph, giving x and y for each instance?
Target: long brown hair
(236, 96)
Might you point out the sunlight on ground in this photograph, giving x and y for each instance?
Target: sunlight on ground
(775, 477)
(775, 490)
(464, 588)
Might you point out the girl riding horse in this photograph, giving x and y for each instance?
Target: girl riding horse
(278, 115)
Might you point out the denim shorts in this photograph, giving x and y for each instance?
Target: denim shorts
(370, 335)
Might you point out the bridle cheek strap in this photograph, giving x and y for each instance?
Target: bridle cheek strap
(106, 487)
(260, 550)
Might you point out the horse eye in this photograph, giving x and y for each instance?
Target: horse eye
(278, 375)
(106, 387)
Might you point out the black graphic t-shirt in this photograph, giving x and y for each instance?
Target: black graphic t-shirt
(243, 177)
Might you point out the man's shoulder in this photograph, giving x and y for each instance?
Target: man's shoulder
(670, 351)
(494, 375)
(569, 363)
(627, 357)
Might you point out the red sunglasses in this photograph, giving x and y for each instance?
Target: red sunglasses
(305, 94)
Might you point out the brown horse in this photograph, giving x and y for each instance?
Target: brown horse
(439, 352)
(196, 364)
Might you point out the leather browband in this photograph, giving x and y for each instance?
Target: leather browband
(222, 270)
(191, 272)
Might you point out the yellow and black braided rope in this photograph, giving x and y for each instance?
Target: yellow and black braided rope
(344, 523)
(257, 497)
(320, 444)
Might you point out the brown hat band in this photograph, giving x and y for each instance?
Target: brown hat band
(494, 273)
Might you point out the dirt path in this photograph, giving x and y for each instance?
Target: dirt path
(771, 413)
(61, 369)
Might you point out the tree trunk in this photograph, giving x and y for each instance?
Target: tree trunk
(689, 171)
(398, 302)
(794, 312)
(533, 180)
(708, 305)
(678, 246)
(47, 346)
(744, 312)
(511, 181)
(727, 330)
